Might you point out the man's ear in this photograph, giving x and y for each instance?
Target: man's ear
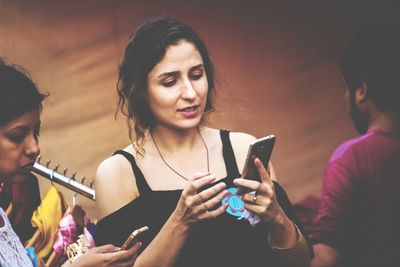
(361, 94)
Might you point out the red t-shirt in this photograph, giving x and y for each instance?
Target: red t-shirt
(359, 213)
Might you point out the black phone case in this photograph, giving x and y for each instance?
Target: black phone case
(262, 149)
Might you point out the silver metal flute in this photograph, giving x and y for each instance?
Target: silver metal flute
(63, 180)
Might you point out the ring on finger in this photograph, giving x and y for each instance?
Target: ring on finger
(254, 193)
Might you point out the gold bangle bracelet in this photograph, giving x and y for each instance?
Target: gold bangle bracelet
(295, 243)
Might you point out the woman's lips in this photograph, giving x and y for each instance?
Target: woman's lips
(27, 167)
(189, 112)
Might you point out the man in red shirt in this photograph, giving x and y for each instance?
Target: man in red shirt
(358, 221)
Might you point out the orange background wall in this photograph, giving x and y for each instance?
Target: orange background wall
(276, 65)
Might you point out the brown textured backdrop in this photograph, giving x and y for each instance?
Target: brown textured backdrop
(276, 65)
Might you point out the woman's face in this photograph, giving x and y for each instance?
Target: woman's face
(19, 145)
(177, 87)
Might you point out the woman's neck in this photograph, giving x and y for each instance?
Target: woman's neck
(172, 140)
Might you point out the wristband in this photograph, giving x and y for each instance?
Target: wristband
(295, 243)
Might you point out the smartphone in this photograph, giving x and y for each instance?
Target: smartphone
(262, 149)
(134, 237)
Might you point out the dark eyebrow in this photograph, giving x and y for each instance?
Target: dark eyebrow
(176, 73)
(20, 128)
(199, 66)
(24, 127)
(165, 74)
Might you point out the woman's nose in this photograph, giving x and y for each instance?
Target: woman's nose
(32, 148)
(188, 91)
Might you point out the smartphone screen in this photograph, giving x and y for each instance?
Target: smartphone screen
(134, 237)
(262, 149)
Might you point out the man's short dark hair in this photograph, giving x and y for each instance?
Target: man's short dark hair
(373, 57)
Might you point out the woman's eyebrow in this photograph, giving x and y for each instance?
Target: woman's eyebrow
(170, 73)
(176, 73)
(19, 128)
(198, 66)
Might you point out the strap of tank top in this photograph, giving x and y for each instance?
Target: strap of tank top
(229, 156)
(141, 182)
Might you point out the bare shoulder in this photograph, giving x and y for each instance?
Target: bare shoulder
(241, 141)
(114, 180)
(112, 166)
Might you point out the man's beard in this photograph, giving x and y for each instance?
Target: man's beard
(359, 119)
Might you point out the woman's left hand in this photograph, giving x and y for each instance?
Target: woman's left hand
(261, 199)
(284, 238)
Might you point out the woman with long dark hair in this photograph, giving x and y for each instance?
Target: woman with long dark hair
(177, 173)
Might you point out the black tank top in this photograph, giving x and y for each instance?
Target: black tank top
(223, 241)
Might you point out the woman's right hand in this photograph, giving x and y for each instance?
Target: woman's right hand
(194, 205)
(107, 255)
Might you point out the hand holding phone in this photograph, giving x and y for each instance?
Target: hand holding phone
(134, 237)
(262, 149)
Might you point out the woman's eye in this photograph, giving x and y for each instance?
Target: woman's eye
(196, 75)
(169, 83)
(17, 138)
